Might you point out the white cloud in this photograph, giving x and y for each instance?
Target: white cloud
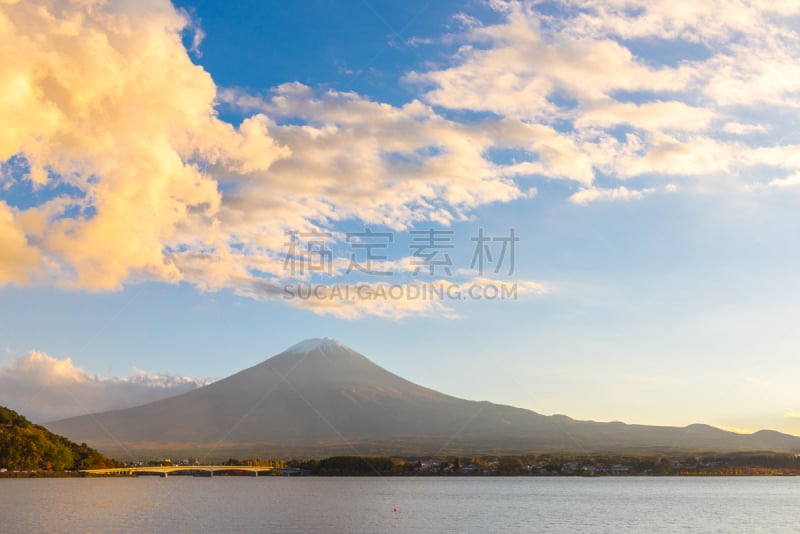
(17, 258)
(652, 116)
(593, 194)
(44, 388)
(162, 189)
(418, 41)
(738, 128)
(790, 181)
(522, 287)
(167, 191)
(708, 22)
(87, 103)
(782, 156)
(517, 67)
(397, 300)
(355, 158)
(584, 70)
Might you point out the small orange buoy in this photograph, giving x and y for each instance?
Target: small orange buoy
(395, 509)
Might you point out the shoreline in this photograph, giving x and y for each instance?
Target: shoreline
(57, 474)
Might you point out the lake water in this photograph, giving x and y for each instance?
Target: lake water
(316, 504)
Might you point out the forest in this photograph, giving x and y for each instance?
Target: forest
(25, 446)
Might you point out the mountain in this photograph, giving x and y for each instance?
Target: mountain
(25, 446)
(321, 397)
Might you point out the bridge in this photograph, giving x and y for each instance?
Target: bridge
(166, 470)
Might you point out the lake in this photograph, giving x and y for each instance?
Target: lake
(321, 504)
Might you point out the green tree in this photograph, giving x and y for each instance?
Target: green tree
(25, 446)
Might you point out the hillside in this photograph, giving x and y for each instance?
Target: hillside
(28, 447)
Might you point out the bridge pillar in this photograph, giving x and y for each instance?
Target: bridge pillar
(164, 475)
(211, 473)
(254, 474)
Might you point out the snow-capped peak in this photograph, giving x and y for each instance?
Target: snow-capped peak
(304, 347)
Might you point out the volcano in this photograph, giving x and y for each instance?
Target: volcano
(320, 397)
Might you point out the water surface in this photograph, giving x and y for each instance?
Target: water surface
(317, 504)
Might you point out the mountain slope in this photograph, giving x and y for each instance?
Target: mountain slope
(320, 396)
(25, 446)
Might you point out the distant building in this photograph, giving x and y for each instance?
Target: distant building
(620, 469)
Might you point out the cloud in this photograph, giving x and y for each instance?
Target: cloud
(586, 196)
(400, 300)
(790, 181)
(599, 69)
(355, 158)
(521, 287)
(418, 41)
(44, 388)
(680, 20)
(515, 68)
(739, 128)
(107, 119)
(792, 415)
(110, 119)
(652, 116)
(101, 99)
(17, 257)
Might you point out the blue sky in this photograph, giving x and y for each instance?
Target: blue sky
(648, 160)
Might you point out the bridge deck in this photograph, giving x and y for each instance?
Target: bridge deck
(166, 470)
